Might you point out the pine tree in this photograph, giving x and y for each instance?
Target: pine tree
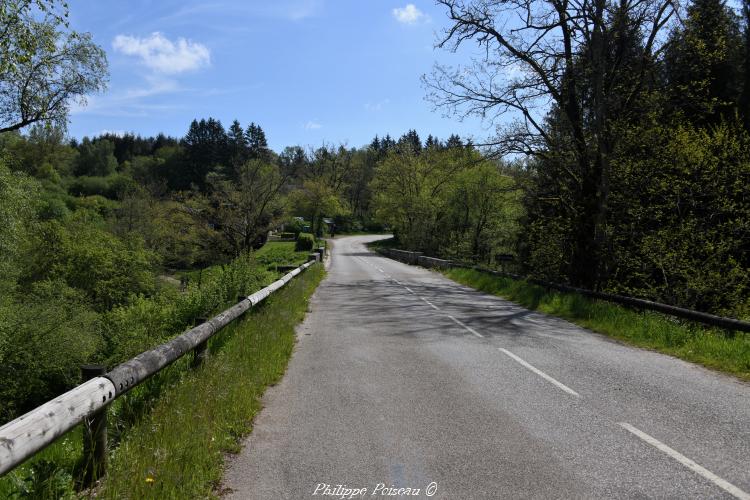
(238, 148)
(703, 62)
(454, 141)
(744, 104)
(431, 142)
(256, 142)
(411, 142)
(206, 151)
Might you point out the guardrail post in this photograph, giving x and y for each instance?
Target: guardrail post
(200, 352)
(94, 435)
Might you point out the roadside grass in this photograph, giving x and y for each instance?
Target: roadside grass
(49, 474)
(280, 252)
(270, 255)
(176, 450)
(710, 347)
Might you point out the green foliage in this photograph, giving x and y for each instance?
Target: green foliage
(145, 322)
(107, 269)
(44, 65)
(703, 63)
(305, 241)
(18, 198)
(685, 242)
(45, 336)
(111, 186)
(280, 252)
(315, 200)
(243, 209)
(447, 202)
(294, 226)
(96, 158)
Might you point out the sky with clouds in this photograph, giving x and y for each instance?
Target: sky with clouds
(307, 71)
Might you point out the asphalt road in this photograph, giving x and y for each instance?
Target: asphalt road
(404, 378)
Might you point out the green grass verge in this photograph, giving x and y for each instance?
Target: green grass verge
(709, 347)
(176, 451)
(280, 252)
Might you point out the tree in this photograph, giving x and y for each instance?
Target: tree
(96, 158)
(44, 67)
(484, 208)
(744, 102)
(703, 63)
(561, 53)
(315, 200)
(206, 150)
(238, 146)
(18, 197)
(411, 193)
(411, 142)
(256, 142)
(243, 210)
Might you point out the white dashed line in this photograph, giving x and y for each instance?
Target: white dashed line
(459, 322)
(430, 304)
(721, 483)
(408, 289)
(540, 373)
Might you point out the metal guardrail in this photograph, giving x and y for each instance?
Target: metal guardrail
(30, 433)
(697, 316)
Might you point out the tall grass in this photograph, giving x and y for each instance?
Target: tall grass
(710, 347)
(176, 450)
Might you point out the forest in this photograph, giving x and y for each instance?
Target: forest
(636, 180)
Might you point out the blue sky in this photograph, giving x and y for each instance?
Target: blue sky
(307, 71)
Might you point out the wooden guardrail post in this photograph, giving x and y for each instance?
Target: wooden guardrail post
(200, 352)
(94, 435)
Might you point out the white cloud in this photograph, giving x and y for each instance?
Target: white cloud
(162, 55)
(409, 14)
(378, 106)
(312, 125)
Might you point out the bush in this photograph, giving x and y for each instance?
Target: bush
(288, 236)
(107, 269)
(45, 335)
(305, 241)
(294, 226)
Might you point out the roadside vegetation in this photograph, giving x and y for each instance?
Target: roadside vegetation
(163, 444)
(176, 451)
(632, 178)
(710, 347)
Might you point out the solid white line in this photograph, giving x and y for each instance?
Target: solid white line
(540, 373)
(459, 322)
(721, 483)
(410, 290)
(430, 304)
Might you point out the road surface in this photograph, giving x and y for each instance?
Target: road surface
(402, 378)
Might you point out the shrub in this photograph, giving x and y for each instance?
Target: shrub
(288, 236)
(305, 241)
(294, 226)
